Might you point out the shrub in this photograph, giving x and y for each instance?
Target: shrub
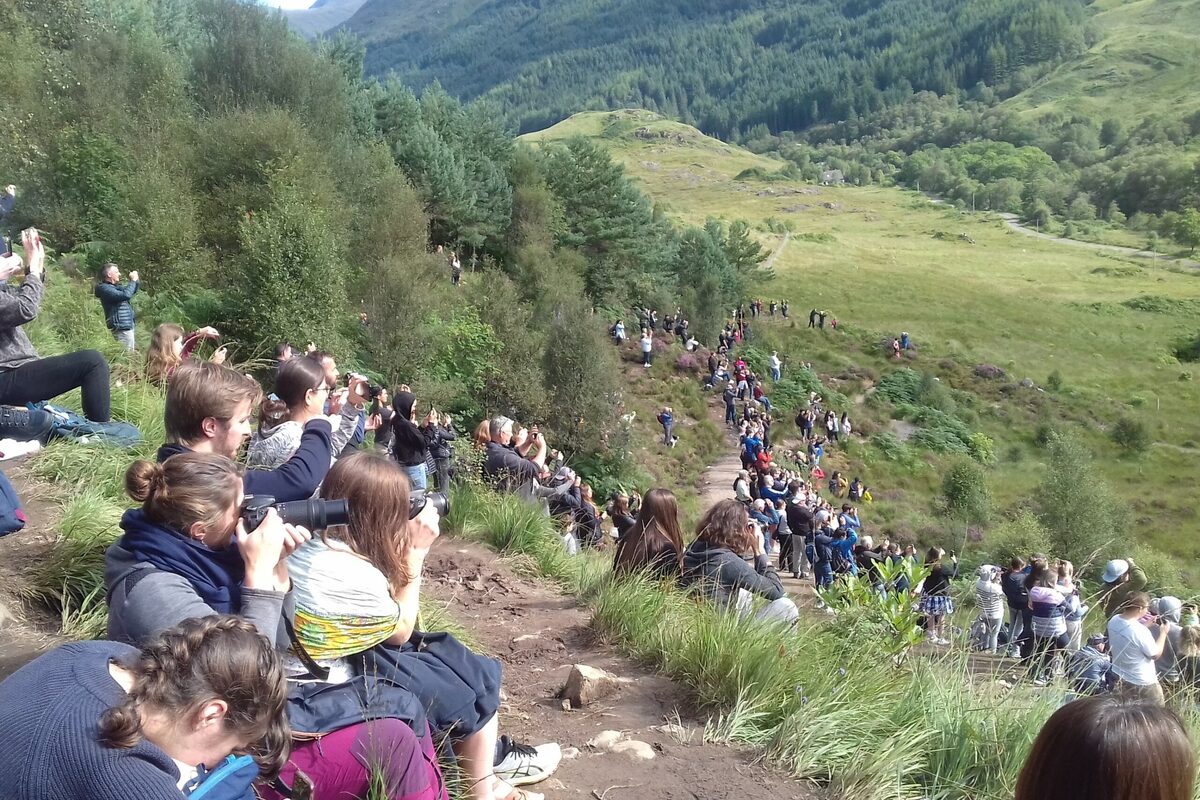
(1044, 434)
(1131, 435)
(1054, 381)
(1078, 509)
(899, 386)
(688, 362)
(982, 448)
(965, 493)
(1020, 536)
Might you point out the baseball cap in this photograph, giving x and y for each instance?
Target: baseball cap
(1097, 639)
(1114, 569)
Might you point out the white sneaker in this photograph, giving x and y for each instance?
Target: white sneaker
(520, 764)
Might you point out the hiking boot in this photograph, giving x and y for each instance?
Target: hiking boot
(520, 764)
(24, 425)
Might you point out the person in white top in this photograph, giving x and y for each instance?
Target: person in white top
(647, 343)
(776, 366)
(1134, 649)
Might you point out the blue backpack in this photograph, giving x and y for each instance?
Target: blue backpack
(12, 516)
(229, 780)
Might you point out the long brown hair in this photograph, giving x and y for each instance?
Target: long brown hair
(185, 489)
(1110, 747)
(203, 659)
(161, 359)
(377, 492)
(657, 526)
(726, 524)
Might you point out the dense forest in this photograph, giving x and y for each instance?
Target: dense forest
(886, 91)
(261, 185)
(723, 65)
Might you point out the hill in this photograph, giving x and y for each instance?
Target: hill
(1101, 328)
(1142, 64)
(726, 65)
(321, 16)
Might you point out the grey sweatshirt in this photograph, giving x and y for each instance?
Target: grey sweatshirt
(18, 305)
(162, 599)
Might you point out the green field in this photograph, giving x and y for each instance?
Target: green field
(885, 260)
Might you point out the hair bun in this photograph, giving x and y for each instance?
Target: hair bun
(144, 479)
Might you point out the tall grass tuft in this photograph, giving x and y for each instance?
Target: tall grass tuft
(833, 703)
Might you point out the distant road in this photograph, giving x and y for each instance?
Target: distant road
(1013, 221)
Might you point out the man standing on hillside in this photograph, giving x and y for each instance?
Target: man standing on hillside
(118, 313)
(812, 318)
(783, 308)
(776, 366)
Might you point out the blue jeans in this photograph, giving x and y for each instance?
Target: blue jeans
(824, 575)
(416, 476)
(775, 373)
(730, 415)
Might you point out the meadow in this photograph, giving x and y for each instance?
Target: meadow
(1095, 333)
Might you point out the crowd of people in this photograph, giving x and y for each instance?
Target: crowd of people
(264, 616)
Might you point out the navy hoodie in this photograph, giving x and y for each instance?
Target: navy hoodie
(297, 479)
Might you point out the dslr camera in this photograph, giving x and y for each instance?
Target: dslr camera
(418, 501)
(313, 513)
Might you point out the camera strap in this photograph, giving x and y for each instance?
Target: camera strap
(314, 669)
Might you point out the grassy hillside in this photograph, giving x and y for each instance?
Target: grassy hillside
(886, 260)
(1146, 62)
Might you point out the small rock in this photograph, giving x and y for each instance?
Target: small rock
(604, 740)
(1027, 383)
(475, 584)
(634, 749)
(570, 752)
(587, 684)
(989, 372)
(566, 704)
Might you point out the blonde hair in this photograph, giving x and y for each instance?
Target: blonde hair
(161, 359)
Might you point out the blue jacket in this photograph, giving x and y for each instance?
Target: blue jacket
(751, 446)
(846, 548)
(118, 313)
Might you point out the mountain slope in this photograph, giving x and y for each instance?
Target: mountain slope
(970, 292)
(321, 16)
(1146, 61)
(724, 64)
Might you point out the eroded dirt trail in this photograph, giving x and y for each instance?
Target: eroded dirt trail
(537, 634)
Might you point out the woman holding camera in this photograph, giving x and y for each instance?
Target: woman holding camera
(357, 589)
(104, 720)
(176, 561)
(301, 394)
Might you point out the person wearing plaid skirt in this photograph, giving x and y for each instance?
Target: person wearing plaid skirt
(936, 604)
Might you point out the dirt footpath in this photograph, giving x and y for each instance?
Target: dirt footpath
(538, 634)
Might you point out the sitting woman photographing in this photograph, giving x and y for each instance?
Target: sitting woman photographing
(714, 566)
(357, 589)
(301, 394)
(655, 542)
(176, 560)
(106, 721)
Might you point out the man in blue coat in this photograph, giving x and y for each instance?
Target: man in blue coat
(118, 313)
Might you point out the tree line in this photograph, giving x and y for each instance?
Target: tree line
(263, 185)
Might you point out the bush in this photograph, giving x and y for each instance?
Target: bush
(1054, 381)
(982, 448)
(1078, 509)
(1131, 435)
(899, 386)
(965, 493)
(1020, 536)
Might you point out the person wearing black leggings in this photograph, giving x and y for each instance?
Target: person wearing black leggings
(26, 378)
